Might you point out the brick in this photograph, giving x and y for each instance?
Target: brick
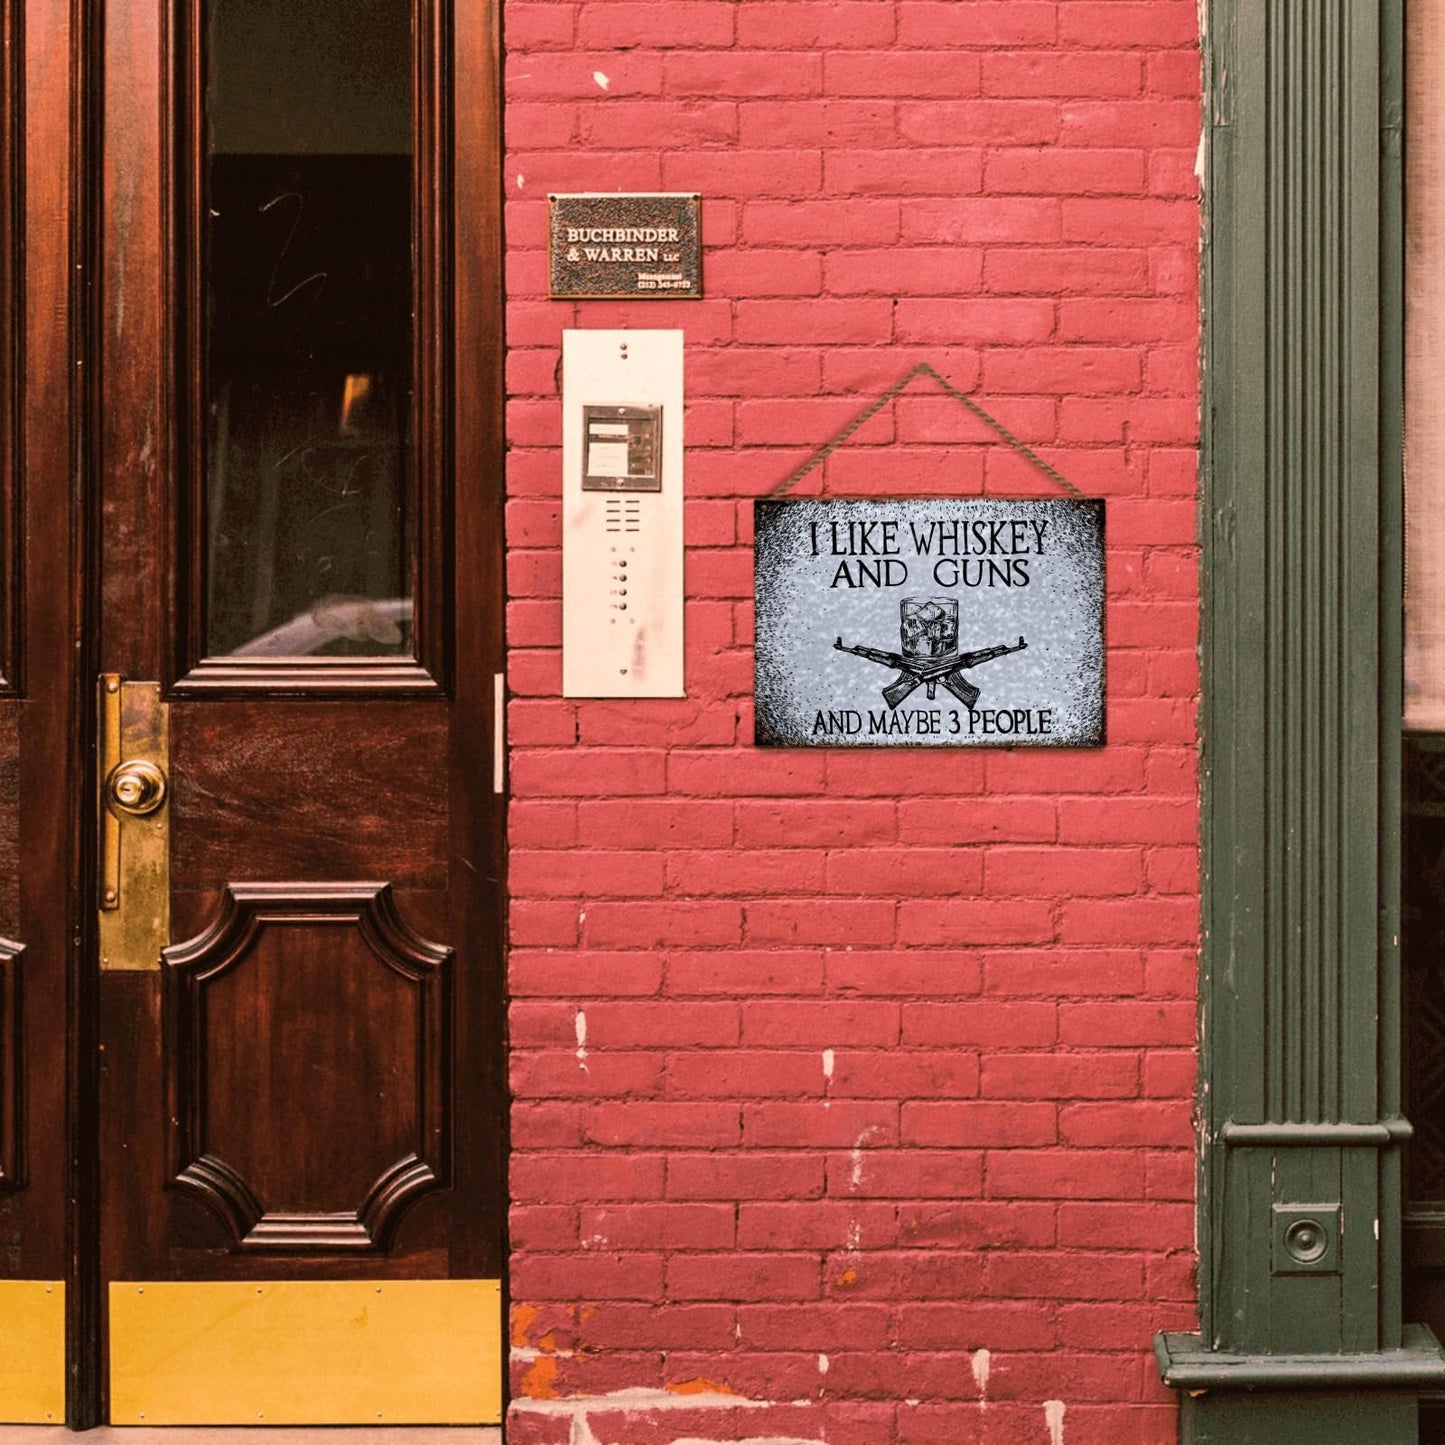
(607, 874)
(975, 922)
(630, 1123)
(1154, 25)
(980, 220)
(593, 973)
(1071, 73)
(938, 171)
(624, 23)
(1137, 1122)
(1066, 271)
(836, 921)
(656, 1025)
(754, 1175)
(734, 973)
(538, 27)
(978, 1124)
(823, 1326)
(1111, 1074)
(823, 322)
(822, 1025)
(976, 321)
(654, 823)
(1126, 1226)
(562, 1075)
(904, 1074)
(900, 73)
(818, 1124)
(827, 823)
(659, 925)
(806, 25)
(579, 1276)
(819, 223)
(869, 1173)
(744, 1276)
(1143, 221)
(587, 1176)
(745, 1074)
(744, 173)
(975, 1324)
(1072, 872)
(1065, 1174)
(1003, 820)
(1149, 123)
(742, 73)
(756, 272)
(942, 271)
(746, 873)
(995, 1025)
(658, 1226)
(1065, 370)
(1063, 973)
(905, 872)
(977, 1225)
(912, 971)
(991, 122)
(633, 122)
(1065, 170)
(934, 25)
(1127, 1023)
(825, 123)
(1126, 921)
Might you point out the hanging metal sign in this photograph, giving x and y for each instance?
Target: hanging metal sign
(609, 245)
(947, 623)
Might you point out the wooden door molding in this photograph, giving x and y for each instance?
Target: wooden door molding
(220, 1053)
(12, 370)
(12, 1073)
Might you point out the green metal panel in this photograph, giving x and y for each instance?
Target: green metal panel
(1301, 528)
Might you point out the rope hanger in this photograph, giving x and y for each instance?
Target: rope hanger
(873, 408)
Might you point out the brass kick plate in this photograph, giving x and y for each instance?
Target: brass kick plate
(306, 1352)
(32, 1362)
(134, 820)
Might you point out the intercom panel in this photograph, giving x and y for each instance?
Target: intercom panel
(622, 585)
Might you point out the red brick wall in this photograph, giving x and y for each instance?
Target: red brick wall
(852, 1099)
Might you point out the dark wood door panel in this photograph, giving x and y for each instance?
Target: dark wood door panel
(309, 789)
(309, 1066)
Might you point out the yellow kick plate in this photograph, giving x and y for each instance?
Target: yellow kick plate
(32, 1355)
(302, 1352)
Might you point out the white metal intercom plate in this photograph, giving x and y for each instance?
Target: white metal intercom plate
(622, 514)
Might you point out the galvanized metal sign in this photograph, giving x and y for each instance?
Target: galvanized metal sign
(608, 245)
(951, 623)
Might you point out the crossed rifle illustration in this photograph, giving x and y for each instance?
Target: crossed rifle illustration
(930, 652)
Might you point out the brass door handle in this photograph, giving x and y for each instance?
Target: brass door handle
(136, 788)
(134, 791)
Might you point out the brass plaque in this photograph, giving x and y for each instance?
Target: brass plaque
(306, 1352)
(32, 1361)
(605, 245)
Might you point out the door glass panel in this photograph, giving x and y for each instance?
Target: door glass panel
(307, 302)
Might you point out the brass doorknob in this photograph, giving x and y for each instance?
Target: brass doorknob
(136, 788)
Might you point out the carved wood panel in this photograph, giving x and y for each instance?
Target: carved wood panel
(308, 1065)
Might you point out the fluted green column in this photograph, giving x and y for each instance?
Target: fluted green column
(1300, 1182)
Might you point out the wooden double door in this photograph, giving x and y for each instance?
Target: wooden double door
(251, 1084)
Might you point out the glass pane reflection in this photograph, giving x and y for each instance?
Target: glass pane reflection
(308, 298)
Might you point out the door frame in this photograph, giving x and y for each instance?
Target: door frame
(52, 417)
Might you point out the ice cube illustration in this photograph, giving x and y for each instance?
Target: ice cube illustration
(929, 626)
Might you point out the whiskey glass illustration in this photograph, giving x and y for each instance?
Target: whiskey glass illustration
(929, 626)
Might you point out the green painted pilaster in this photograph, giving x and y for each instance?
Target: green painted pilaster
(1301, 1335)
